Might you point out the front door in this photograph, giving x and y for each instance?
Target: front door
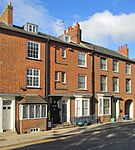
(113, 109)
(6, 115)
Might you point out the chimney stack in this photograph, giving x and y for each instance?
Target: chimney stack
(124, 50)
(74, 33)
(7, 14)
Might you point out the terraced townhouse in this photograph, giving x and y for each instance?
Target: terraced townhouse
(59, 79)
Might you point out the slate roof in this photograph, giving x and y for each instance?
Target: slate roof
(106, 51)
(32, 99)
(40, 34)
(87, 46)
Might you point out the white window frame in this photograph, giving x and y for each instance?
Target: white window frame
(101, 99)
(80, 99)
(63, 74)
(102, 65)
(81, 88)
(85, 60)
(117, 66)
(117, 79)
(101, 82)
(33, 76)
(129, 86)
(31, 57)
(56, 72)
(128, 68)
(63, 53)
(21, 111)
(32, 28)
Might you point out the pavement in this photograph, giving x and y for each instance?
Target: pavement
(11, 140)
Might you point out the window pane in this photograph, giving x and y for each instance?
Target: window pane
(128, 85)
(33, 50)
(63, 77)
(31, 111)
(82, 81)
(63, 53)
(103, 83)
(81, 59)
(43, 111)
(37, 111)
(103, 64)
(100, 106)
(106, 106)
(33, 77)
(115, 84)
(85, 108)
(56, 76)
(25, 111)
(78, 108)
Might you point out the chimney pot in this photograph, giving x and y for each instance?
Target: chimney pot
(68, 29)
(64, 31)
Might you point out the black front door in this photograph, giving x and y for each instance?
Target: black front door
(55, 112)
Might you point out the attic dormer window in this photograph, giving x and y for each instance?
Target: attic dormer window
(31, 27)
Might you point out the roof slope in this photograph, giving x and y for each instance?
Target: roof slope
(105, 51)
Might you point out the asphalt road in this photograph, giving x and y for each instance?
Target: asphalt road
(120, 138)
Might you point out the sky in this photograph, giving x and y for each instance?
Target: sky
(108, 23)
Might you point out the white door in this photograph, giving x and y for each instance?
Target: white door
(6, 116)
(131, 110)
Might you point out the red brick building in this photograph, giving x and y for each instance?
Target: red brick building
(79, 80)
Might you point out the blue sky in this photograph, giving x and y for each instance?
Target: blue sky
(109, 23)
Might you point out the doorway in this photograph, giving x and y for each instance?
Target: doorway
(129, 108)
(6, 114)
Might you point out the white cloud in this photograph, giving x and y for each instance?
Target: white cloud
(101, 27)
(34, 12)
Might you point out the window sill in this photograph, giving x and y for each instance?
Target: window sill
(33, 118)
(63, 83)
(128, 93)
(33, 88)
(82, 89)
(115, 72)
(33, 59)
(116, 92)
(60, 89)
(82, 67)
(57, 81)
(128, 73)
(104, 115)
(104, 70)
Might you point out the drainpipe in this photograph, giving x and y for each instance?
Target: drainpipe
(47, 77)
(93, 82)
(47, 69)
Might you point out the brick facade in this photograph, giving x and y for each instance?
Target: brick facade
(14, 62)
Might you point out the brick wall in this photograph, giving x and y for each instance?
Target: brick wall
(26, 125)
(13, 63)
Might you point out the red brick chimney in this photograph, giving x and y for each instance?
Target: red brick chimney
(7, 15)
(75, 33)
(123, 50)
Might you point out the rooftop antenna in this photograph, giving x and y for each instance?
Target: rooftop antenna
(60, 24)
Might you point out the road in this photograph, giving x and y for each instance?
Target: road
(120, 138)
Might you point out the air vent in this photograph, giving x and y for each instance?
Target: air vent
(34, 130)
(31, 27)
